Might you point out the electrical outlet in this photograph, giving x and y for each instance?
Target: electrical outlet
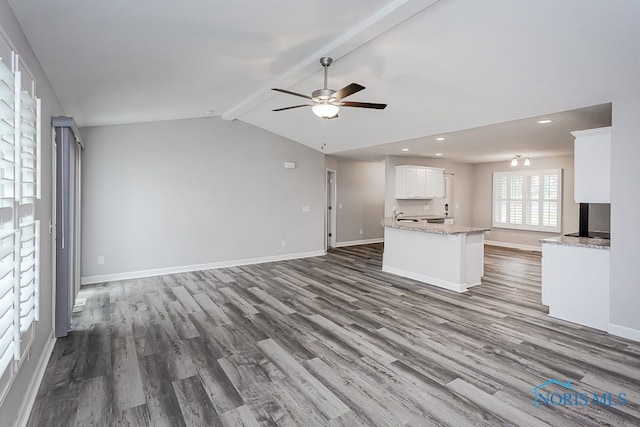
(101, 259)
(284, 243)
(361, 231)
(306, 209)
(340, 206)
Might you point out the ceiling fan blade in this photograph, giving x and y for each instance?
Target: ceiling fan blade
(291, 93)
(362, 105)
(348, 91)
(289, 108)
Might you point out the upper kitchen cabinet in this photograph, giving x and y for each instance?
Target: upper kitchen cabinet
(435, 183)
(411, 182)
(418, 182)
(592, 165)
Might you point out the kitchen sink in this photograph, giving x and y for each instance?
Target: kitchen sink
(407, 220)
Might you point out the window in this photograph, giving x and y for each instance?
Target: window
(20, 146)
(528, 200)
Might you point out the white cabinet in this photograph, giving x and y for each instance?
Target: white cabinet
(592, 165)
(435, 183)
(410, 182)
(418, 182)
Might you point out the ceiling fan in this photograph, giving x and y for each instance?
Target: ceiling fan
(327, 102)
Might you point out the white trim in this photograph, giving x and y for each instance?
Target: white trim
(624, 332)
(428, 280)
(513, 245)
(359, 242)
(88, 280)
(32, 391)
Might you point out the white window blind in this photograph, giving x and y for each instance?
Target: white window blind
(19, 230)
(7, 300)
(8, 304)
(528, 200)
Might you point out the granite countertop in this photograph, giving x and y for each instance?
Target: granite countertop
(583, 242)
(423, 217)
(427, 227)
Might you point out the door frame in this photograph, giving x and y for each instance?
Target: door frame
(330, 216)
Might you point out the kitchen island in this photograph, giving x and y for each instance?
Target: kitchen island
(447, 256)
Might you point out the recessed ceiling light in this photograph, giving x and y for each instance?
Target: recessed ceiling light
(405, 149)
(438, 154)
(440, 138)
(544, 122)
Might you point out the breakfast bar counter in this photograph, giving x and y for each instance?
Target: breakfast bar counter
(447, 256)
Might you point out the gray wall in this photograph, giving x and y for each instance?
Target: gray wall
(483, 195)
(331, 163)
(199, 191)
(360, 199)
(461, 183)
(44, 328)
(625, 204)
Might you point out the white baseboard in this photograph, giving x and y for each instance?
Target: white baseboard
(88, 280)
(32, 391)
(513, 245)
(624, 332)
(359, 242)
(428, 280)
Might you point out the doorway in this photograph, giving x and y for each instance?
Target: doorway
(330, 213)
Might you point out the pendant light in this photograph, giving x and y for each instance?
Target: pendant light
(516, 160)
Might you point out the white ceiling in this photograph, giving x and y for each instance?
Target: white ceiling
(441, 67)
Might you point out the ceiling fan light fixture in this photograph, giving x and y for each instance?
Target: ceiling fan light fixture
(325, 110)
(514, 161)
(527, 161)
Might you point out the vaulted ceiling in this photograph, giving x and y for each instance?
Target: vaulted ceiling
(441, 66)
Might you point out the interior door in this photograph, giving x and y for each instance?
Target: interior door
(331, 211)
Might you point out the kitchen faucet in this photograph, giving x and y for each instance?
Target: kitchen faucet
(396, 214)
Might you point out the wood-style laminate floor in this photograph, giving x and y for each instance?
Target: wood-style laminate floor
(332, 341)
